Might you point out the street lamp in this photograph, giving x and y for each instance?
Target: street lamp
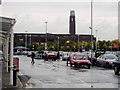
(58, 43)
(67, 45)
(78, 42)
(26, 41)
(30, 39)
(91, 27)
(96, 40)
(46, 37)
(74, 48)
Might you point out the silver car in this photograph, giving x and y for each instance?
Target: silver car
(106, 60)
(1, 57)
(65, 55)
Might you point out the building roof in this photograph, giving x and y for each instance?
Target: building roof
(5, 27)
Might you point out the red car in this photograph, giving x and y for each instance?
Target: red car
(79, 59)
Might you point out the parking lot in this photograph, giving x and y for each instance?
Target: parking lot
(55, 74)
(0, 74)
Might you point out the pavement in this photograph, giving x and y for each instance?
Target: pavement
(6, 80)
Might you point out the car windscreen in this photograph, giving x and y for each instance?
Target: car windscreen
(110, 56)
(81, 57)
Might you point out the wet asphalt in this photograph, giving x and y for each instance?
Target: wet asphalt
(55, 74)
(0, 75)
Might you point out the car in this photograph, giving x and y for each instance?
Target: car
(39, 54)
(118, 54)
(52, 55)
(116, 66)
(106, 60)
(29, 53)
(1, 57)
(79, 59)
(99, 52)
(65, 55)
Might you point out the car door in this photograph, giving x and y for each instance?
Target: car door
(102, 60)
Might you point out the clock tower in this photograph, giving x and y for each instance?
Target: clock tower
(72, 23)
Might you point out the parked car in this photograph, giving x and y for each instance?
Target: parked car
(79, 59)
(29, 53)
(106, 60)
(39, 54)
(1, 57)
(65, 55)
(52, 55)
(118, 54)
(99, 52)
(116, 66)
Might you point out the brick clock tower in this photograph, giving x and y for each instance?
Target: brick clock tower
(72, 23)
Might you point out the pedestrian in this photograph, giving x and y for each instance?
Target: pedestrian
(58, 55)
(33, 57)
(45, 58)
(68, 59)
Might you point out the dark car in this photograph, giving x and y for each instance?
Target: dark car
(116, 66)
(52, 55)
(99, 52)
(106, 60)
(79, 59)
(39, 54)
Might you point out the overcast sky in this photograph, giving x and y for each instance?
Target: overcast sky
(32, 15)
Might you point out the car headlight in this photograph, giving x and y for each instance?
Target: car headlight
(111, 62)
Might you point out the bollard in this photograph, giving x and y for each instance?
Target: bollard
(14, 76)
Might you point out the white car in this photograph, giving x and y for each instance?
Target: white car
(1, 56)
(65, 55)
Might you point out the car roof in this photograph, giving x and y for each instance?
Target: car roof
(78, 53)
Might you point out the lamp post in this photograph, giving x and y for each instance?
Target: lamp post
(26, 41)
(91, 27)
(30, 39)
(46, 37)
(96, 40)
(78, 42)
(67, 45)
(58, 43)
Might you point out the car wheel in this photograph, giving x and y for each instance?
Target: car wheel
(88, 66)
(97, 64)
(116, 70)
